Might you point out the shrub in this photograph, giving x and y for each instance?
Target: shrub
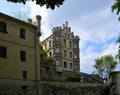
(73, 78)
(106, 90)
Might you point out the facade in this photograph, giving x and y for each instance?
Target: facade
(63, 47)
(19, 56)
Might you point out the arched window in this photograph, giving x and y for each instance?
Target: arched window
(65, 64)
(70, 44)
(71, 65)
(65, 53)
(50, 54)
(64, 42)
(57, 62)
(70, 54)
(57, 38)
(57, 50)
(50, 44)
(77, 67)
(3, 27)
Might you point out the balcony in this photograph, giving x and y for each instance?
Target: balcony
(59, 69)
(76, 59)
(77, 70)
(76, 49)
(57, 55)
(57, 43)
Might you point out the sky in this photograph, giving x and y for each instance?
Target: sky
(91, 20)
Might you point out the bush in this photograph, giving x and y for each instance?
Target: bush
(57, 79)
(69, 78)
(106, 90)
(73, 78)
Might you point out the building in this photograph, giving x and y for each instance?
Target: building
(19, 56)
(114, 82)
(63, 47)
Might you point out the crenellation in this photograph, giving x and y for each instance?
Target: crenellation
(66, 24)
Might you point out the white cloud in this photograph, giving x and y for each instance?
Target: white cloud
(109, 49)
(97, 28)
(43, 12)
(37, 10)
(88, 56)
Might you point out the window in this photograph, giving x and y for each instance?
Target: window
(50, 54)
(3, 52)
(70, 44)
(65, 53)
(3, 27)
(71, 66)
(57, 38)
(65, 34)
(76, 45)
(24, 89)
(23, 56)
(57, 50)
(76, 55)
(64, 42)
(65, 65)
(49, 43)
(57, 62)
(24, 74)
(70, 54)
(45, 46)
(76, 66)
(22, 33)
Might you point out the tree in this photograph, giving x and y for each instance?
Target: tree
(104, 65)
(49, 3)
(45, 60)
(116, 7)
(118, 55)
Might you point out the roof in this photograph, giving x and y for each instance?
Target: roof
(17, 20)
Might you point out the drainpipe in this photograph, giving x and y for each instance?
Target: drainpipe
(39, 24)
(37, 33)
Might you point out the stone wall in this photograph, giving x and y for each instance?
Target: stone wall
(51, 73)
(18, 87)
(70, 88)
(114, 82)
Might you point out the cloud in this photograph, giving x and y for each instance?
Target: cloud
(96, 31)
(88, 56)
(98, 34)
(43, 12)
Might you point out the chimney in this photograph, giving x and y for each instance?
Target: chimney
(66, 24)
(30, 20)
(38, 18)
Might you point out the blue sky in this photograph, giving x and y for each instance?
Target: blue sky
(92, 20)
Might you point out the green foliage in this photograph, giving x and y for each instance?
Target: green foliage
(58, 79)
(118, 55)
(44, 58)
(116, 7)
(106, 90)
(49, 3)
(67, 79)
(73, 78)
(104, 65)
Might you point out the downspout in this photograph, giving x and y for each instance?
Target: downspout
(37, 33)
